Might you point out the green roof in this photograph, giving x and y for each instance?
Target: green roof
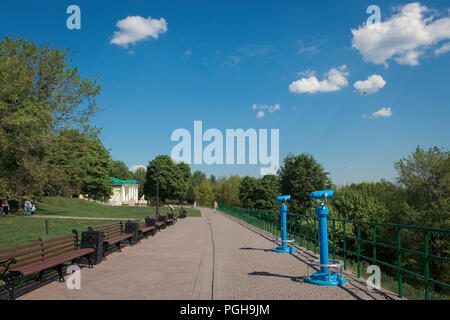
(118, 181)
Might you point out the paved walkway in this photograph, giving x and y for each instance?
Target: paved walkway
(209, 257)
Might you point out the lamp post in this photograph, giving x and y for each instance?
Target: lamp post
(157, 192)
(182, 196)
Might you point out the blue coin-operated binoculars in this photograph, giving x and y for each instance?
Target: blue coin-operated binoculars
(325, 277)
(283, 247)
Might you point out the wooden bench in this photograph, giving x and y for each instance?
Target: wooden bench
(157, 224)
(163, 219)
(170, 216)
(113, 235)
(145, 228)
(169, 221)
(37, 257)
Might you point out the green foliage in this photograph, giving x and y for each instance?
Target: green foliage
(173, 179)
(40, 95)
(299, 176)
(197, 178)
(425, 178)
(190, 195)
(140, 176)
(79, 164)
(247, 188)
(259, 193)
(120, 171)
(226, 190)
(204, 193)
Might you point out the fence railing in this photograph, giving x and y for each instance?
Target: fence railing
(362, 241)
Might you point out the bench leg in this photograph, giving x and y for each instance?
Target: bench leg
(9, 286)
(59, 269)
(90, 260)
(39, 278)
(118, 247)
(105, 249)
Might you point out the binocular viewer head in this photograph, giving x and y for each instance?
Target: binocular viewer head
(283, 198)
(324, 194)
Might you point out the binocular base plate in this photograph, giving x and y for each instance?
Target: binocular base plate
(284, 249)
(322, 279)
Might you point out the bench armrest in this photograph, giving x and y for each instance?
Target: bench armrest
(6, 264)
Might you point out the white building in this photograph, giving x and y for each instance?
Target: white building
(124, 192)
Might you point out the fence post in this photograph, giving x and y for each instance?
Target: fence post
(374, 244)
(427, 267)
(358, 239)
(307, 232)
(345, 248)
(301, 231)
(399, 262)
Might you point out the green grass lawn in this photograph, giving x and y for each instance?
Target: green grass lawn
(15, 231)
(59, 206)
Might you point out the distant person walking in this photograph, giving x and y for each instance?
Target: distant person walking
(216, 205)
(28, 207)
(5, 207)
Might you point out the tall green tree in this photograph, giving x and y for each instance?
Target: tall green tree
(140, 176)
(72, 158)
(197, 178)
(425, 178)
(190, 195)
(39, 95)
(173, 179)
(204, 193)
(259, 193)
(300, 175)
(120, 170)
(226, 190)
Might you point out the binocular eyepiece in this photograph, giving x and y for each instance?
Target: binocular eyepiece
(324, 194)
(284, 198)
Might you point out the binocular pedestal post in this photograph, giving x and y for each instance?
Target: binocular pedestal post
(324, 277)
(283, 247)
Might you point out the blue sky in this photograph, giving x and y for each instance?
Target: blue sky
(216, 59)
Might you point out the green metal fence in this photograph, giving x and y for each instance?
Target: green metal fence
(362, 241)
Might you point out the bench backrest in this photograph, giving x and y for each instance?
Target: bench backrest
(150, 221)
(109, 230)
(162, 218)
(142, 224)
(37, 252)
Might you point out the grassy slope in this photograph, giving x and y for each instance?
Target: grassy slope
(82, 208)
(15, 231)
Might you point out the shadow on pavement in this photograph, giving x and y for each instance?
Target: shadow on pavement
(268, 274)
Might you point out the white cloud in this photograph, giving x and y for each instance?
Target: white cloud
(405, 36)
(444, 49)
(138, 166)
(374, 83)
(261, 108)
(335, 80)
(137, 28)
(188, 53)
(260, 114)
(383, 112)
